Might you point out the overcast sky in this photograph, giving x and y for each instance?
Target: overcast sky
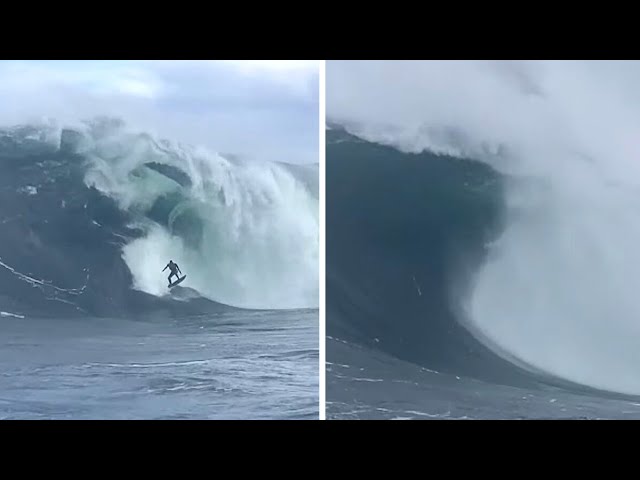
(264, 109)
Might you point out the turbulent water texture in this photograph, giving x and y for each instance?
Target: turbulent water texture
(89, 213)
(241, 365)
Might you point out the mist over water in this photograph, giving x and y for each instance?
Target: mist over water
(246, 233)
(559, 288)
(260, 110)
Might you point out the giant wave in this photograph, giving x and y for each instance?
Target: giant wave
(411, 238)
(556, 289)
(91, 213)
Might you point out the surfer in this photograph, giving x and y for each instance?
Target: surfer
(174, 270)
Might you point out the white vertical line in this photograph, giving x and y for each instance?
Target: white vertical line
(322, 164)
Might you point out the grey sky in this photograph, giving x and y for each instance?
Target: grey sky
(260, 109)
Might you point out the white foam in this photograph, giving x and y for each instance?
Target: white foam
(259, 246)
(29, 190)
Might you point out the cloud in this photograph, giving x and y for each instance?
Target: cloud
(259, 109)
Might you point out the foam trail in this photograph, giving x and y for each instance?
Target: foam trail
(559, 290)
(41, 283)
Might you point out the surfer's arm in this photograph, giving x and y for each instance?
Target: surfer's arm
(165, 267)
(179, 269)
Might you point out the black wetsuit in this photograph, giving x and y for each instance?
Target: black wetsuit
(174, 270)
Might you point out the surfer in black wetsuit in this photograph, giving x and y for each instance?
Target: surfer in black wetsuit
(174, 270)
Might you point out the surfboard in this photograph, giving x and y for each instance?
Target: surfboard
(178, 281)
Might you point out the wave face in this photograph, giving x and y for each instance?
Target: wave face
(411, 238)
(92, 213)
(402, 232)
